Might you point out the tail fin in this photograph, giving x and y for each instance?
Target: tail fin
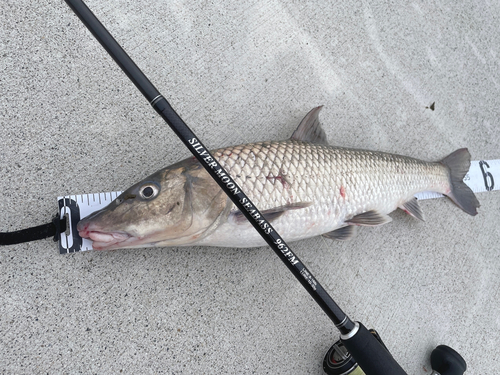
(458, 164)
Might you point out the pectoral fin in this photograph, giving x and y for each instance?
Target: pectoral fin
(370, 218)
(413, 208)
(272, 213)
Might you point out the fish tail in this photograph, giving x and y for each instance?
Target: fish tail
(458, 164)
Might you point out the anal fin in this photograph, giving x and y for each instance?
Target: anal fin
(413, 208)
(370, 218)
(341, 234)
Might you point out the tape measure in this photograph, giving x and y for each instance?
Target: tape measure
(483, 176)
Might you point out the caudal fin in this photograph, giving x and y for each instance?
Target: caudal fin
(458, 164)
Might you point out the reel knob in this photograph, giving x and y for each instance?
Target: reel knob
(446, 361)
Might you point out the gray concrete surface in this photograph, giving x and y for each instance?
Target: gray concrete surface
(71, 122)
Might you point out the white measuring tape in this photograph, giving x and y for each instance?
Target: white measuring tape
(483, 175)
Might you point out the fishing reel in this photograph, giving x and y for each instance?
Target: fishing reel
(444, 360)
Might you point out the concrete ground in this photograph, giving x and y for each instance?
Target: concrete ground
(72, 123)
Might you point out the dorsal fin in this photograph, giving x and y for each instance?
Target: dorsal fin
(310, 130)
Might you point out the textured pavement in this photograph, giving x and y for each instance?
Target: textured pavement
(72, 123)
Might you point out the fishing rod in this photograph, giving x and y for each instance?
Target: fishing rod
(360, 348)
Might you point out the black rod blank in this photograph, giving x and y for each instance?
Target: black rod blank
(346, 327)
(223, 178)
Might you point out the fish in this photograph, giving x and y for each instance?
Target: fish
(303, 186)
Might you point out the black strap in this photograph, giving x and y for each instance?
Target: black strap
(40, 232)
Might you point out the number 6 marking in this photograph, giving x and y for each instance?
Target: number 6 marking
(487, 175)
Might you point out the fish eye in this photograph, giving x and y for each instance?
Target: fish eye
(149, 191)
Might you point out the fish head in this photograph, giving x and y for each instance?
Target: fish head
(175, 206)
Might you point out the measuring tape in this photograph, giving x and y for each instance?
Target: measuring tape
(483, 175)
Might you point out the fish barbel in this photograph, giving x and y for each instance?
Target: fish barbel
(303, 186)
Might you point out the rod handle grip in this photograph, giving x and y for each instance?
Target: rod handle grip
(370, 354)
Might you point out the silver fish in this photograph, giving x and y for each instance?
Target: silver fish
(303, 186)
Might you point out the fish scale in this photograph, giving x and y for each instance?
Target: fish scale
(317, 173)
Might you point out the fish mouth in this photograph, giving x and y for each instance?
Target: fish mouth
(104, 240)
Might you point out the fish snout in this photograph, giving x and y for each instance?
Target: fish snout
(83, 228)
(102, 240)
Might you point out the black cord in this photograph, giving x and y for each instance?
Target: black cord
(40, 232)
